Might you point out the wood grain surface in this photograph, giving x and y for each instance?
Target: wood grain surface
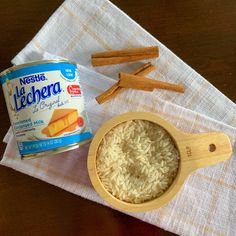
(202, 33)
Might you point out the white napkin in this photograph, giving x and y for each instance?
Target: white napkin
(205, 205)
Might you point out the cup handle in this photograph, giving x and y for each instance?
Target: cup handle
(200, 150)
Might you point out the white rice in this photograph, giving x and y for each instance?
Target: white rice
(137, 161)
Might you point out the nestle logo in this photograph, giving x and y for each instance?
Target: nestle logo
(32, 79)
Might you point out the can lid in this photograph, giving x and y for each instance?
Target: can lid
(16, 67)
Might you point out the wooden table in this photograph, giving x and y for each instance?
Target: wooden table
(202, 33)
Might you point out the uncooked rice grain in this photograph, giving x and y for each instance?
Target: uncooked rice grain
(137, 161)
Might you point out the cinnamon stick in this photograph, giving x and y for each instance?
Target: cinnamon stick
(108, 93)
(115, 89)
(125, 55)
(144, 70)
(140, 82)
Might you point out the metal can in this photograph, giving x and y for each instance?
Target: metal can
(46, 107)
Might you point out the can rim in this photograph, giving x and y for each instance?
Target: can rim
(20, 66)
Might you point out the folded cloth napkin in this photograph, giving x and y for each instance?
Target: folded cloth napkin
(205, 204)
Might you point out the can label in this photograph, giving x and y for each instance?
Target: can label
(46, 106)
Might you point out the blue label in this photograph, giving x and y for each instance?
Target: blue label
(68, 70)
(28, 147)
(68, 73)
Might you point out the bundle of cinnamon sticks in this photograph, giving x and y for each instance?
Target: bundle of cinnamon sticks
(136, 79)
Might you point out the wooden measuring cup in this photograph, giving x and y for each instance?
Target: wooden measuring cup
(196, 151)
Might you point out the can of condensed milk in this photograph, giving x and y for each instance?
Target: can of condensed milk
(46, 107)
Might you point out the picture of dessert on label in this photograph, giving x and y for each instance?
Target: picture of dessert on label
(63, 120)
